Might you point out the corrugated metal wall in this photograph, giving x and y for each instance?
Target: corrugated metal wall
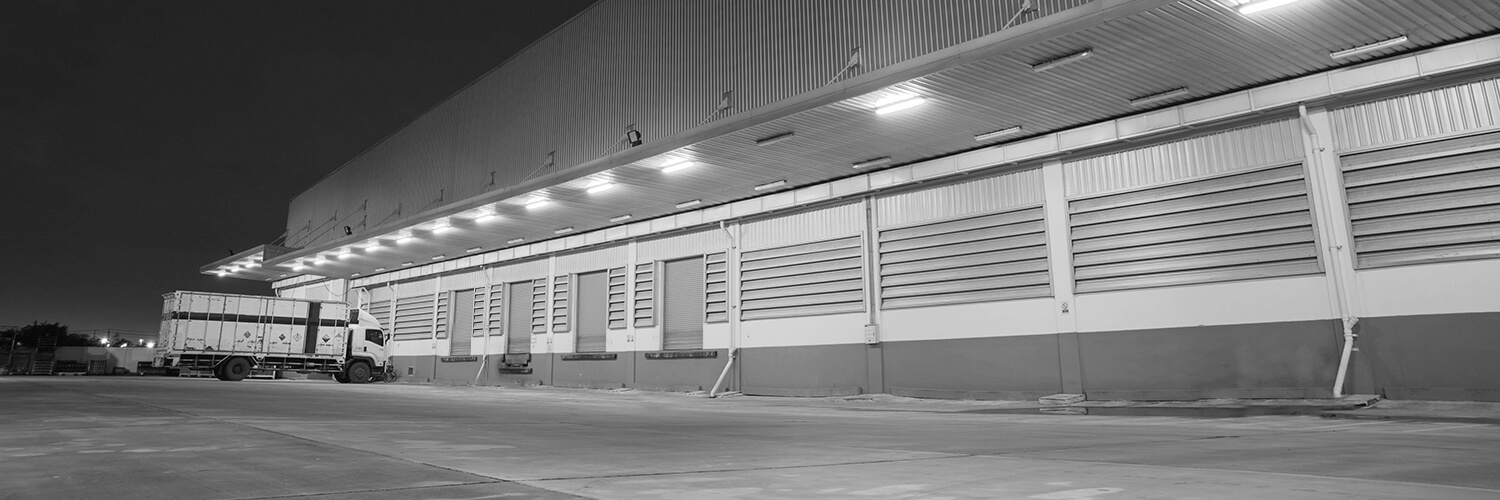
(819, 224)
(963, 199)
(593, 260)
(681, 245)
(1272, 143)
(1452, 109)
(659, 65)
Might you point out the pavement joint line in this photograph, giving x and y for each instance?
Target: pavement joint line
(1241, 471)
(381, 490)
(292, 436)
(947, 456)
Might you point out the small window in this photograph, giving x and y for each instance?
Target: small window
(375, 336)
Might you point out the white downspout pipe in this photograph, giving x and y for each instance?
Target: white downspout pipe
(1335, 256)
(485, 356)
(734, 350)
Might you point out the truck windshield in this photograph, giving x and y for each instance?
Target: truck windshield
(374, 336)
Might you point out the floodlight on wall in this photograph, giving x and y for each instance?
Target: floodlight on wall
(1368, 48)
(689, 203)
(1067, 59)
(1159, 97)
(872, 162)
(537, 203)
(897, 103)
(620, 218)
(771, 185)
(514, 241)
(1257, 6)
(775, 139)
(998, 133)
(599, 188)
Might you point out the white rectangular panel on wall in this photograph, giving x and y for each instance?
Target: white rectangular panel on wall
(1001, 256)
(819, 224)
(618, 293)
(681, 245)
(822, 277)
(716, 288)
(1245, 148)
(645, 295)
(1255, 224)
(979, 196)
(1425, 202)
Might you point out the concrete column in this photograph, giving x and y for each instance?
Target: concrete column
(1060, 255)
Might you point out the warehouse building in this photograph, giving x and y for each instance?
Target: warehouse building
(987, 199)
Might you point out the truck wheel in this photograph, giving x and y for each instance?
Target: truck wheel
(219, 371)
(341, 378)
(236, 369)
(359, 372)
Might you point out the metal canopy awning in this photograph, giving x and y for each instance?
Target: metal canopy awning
(1148, 48)
(250, 264)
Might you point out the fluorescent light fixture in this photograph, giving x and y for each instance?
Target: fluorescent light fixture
(441, 229)
(379, 269)
(872, 162)
(514, 241)
(1159, 97)
(319, 261)
(775, 139)
(563, 230)
(675, 164)
(689, 203)
(620, 218)
(233, 269)
(472, 250)
(1067, 59)
(403, 240)
(484, 217)
(997, 134)
(771, 185)
(354, 275)
(601, 187)
(1368, 48)
(407, 264)
(893, 107)
(345, 253)
(298, 267)
(221, 274)
(439, 257)
(537, 203)
(1253, 7)
(252, 265)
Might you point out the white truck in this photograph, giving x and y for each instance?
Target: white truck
(233, 335)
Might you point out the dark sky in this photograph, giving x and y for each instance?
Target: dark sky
(140, 140)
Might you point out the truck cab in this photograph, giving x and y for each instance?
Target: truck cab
(368, 345)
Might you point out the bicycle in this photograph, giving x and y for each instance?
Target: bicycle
(387, 375)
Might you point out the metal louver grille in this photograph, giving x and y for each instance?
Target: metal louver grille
(1249, 225)
(824, 277)
(381, 310)
(617, 293)
(682, 291)
(477, 319)
(539, 306)
(518, 327)
(592, 304)
(560, 303)
(496, 323)
(1432, 202)
(993, 257)
(440, 325)
(413, 318)
(716, 286)
(645, 295)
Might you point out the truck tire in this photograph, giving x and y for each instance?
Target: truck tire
(219, 371)
(236, 369)
(342, 378)
(359, 372)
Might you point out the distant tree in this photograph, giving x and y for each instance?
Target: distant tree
(26, 336)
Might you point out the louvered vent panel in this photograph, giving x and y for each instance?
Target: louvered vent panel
(716, 288)
(1244, 226)
(478, 317)
(645, 295)
(560, 303)
(1422, 203)
(617, 298)
(413, 317)
(539, 306)
(993, 257)
(825, 277)
(381, 310)
(496, 310)
(440, 325)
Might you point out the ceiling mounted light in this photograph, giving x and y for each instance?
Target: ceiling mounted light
(563, 230)
(1067, 59)
(1159, 97)
(620, 218)
(252, 265)
(771, 185)
(998, 133)
(354, 275)
(894, 104)
(298, 267)
(319, 261)
(675, 164)
(407, 264)
(1368, 48)
(379, 269)
(1254, 6)
(345, 253)
(775, 139)
(484, 217)
(689, 203)
(403, 240)
(221, 274)
(872, 162)
(601, 187)
(439, 257)
(514, 241)
(472, 250)
(537, 203)
(441, 229)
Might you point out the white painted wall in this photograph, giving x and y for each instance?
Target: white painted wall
(809, 330)
(966, 321)
(1299, 298)
(716, 336)
(1449, 287)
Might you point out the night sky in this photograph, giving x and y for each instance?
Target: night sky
(141, 140)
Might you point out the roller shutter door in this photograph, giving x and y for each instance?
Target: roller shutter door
(518, 313)
(461, 341)
(992, 257)
(682, 292)
(593, 309)
(1431, 202)
(1255, 224)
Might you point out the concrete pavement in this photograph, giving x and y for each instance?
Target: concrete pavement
(150, 437)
